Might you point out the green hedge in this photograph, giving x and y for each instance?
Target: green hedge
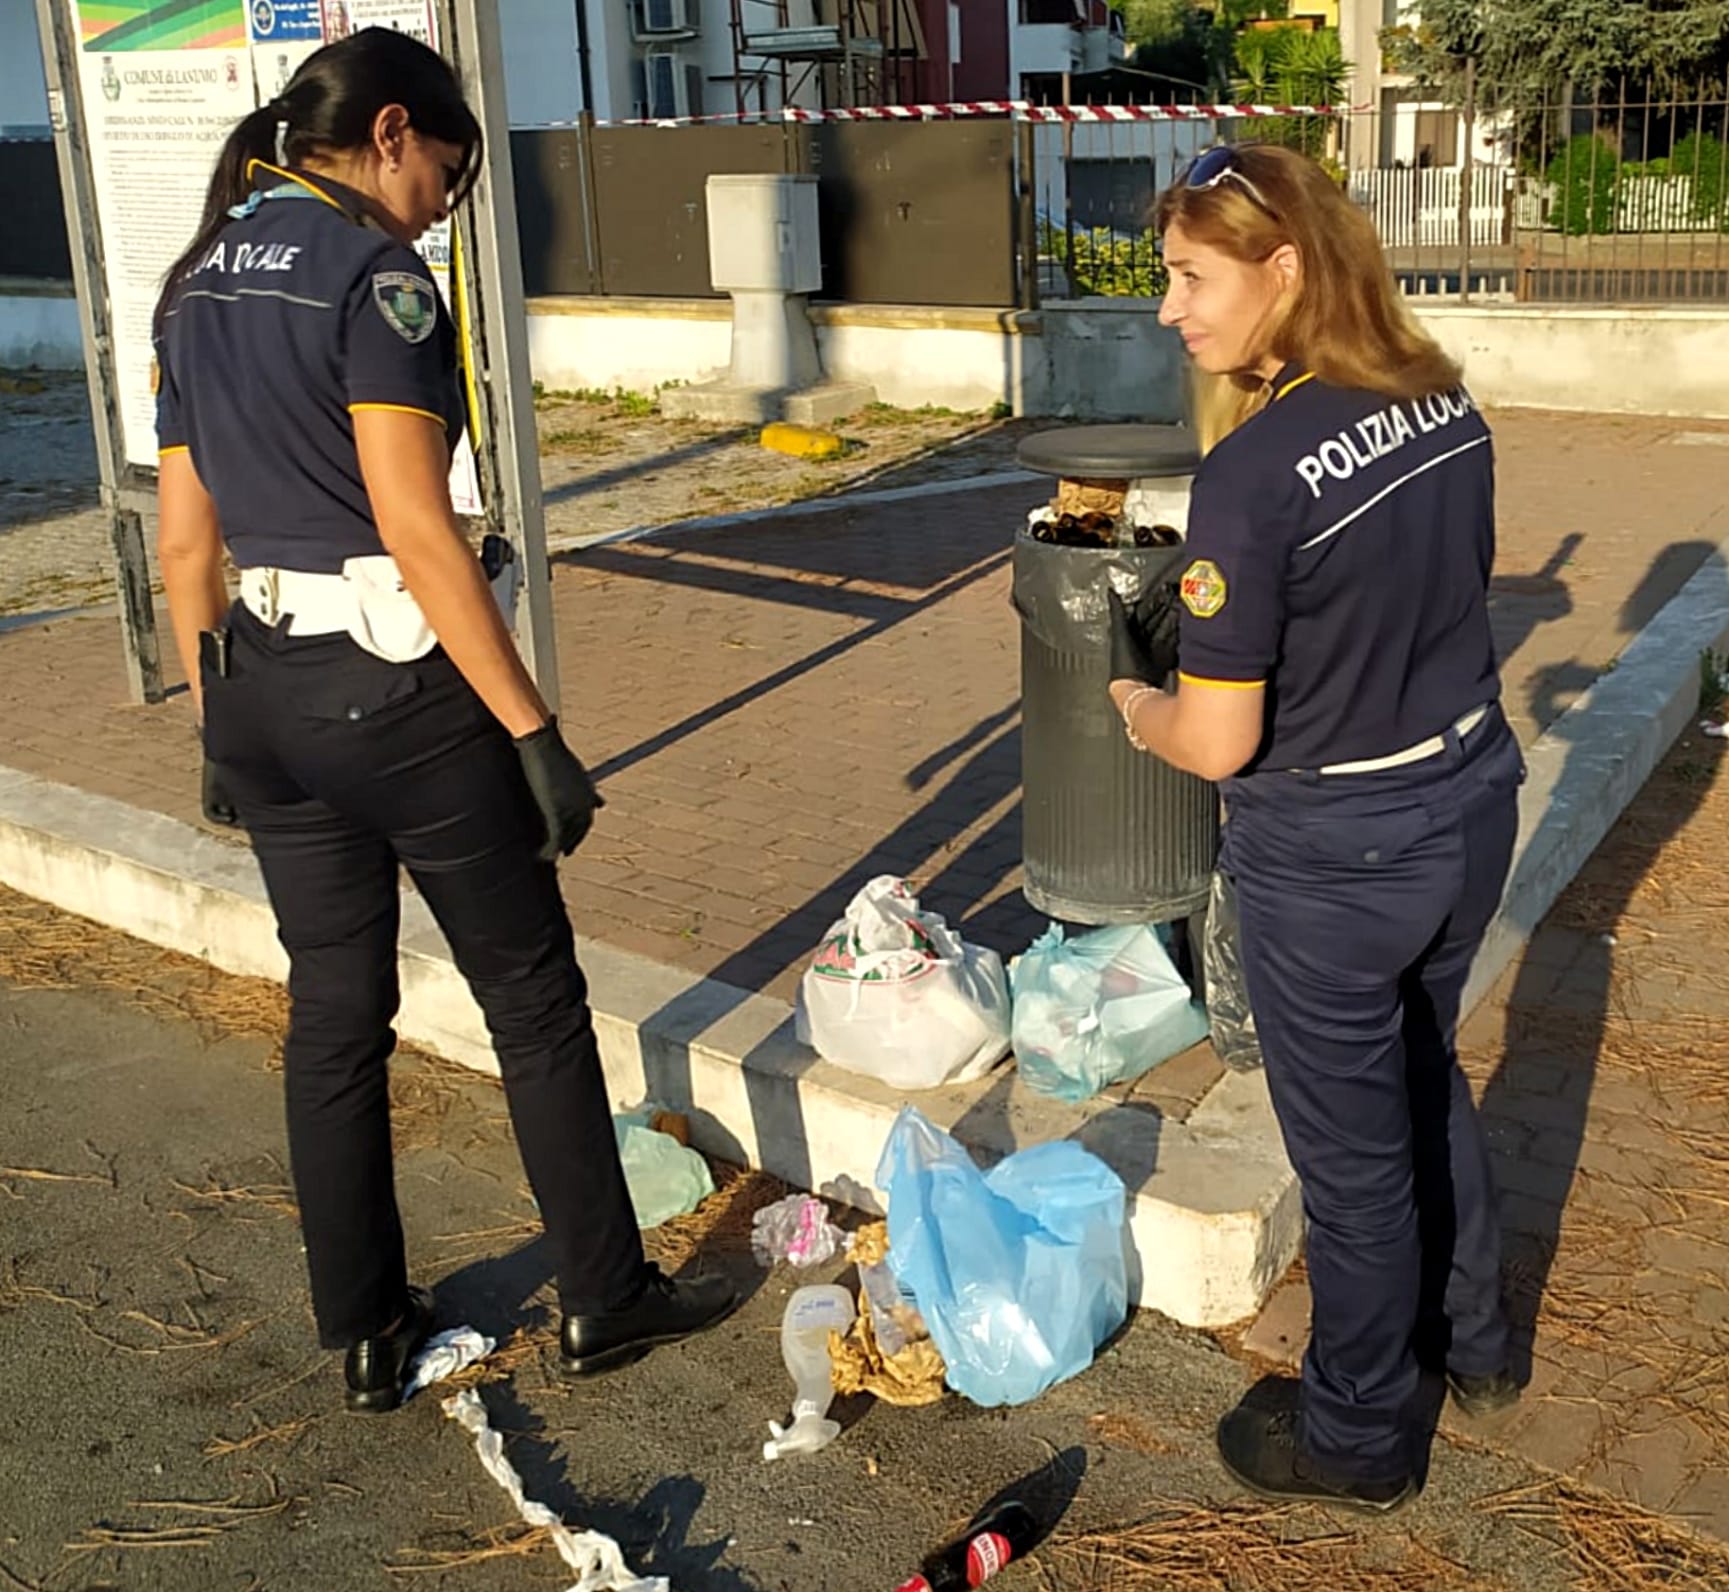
(1112, 266)
(1585, 175)
(1701, 156)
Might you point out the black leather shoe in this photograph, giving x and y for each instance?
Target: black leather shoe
(1260, 1449)
(377, 1367)
(666, 1311)
(1478, 1396)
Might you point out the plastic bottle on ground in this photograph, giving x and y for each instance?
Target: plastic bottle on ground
(811, 1315)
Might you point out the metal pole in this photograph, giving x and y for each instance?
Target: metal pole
(507, 448)
(1467, 170)
(89, 278)
(1069, 194)
(584, 76)
(1028, 227)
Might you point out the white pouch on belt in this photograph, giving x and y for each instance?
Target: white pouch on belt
(385, 620)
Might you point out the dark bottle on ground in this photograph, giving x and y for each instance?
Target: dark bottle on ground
(1006, 1533)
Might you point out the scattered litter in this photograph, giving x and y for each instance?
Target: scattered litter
(1609, 939)
(1098, 1009)
(1019, 1273)
(795, 1229)
(1718, 730)
(443, 1355)
(812, 1315)
(894, 993)
(845, 1190)
(666, 1178)
(596, 1558)
(1007, 1533)
(913, 1376)
(799, 1520)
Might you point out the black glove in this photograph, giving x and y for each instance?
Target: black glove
(218, 805)
(1144, 638)
(561, 789)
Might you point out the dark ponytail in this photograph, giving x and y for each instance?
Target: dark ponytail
(329, 107)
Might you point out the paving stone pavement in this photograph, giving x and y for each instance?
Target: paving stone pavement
(782, 709)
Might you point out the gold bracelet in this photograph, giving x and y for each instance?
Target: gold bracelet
(1129, 703)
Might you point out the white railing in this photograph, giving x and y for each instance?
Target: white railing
(1421, 206)
(1658, 204)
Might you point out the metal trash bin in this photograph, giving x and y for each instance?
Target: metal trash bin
(1110, 835)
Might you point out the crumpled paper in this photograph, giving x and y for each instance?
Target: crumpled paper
(596, 1558)
(911, 1378)
(1078, 495)
(913, 1373)
(444, 1354)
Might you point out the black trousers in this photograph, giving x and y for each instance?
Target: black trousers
(344, 767)
(1363, 899)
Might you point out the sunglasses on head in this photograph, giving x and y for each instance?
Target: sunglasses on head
(1219, 164)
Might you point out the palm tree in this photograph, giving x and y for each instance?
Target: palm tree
(1292, 66)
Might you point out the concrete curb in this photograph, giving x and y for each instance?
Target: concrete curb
(1214, 1218)
(781, 511)
(1586, 768)
(1215, 1215)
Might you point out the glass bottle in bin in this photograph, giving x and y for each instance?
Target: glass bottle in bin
(1005, 1534)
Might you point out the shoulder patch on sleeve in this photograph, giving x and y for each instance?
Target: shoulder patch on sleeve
(1203, 588)
(408, 303)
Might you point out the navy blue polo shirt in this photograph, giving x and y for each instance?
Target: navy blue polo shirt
(300, 314)
(1339, 550)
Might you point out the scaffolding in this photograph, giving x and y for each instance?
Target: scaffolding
(855, 52)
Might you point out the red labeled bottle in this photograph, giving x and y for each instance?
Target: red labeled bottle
(1005, 1534)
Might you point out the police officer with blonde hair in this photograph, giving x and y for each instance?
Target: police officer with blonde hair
(1338, 675)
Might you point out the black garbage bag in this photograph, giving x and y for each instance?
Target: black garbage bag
(1228, 1014)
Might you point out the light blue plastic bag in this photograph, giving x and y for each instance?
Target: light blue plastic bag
(1098, 1009)
(1020, 1273)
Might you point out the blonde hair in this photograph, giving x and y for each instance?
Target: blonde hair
(1346, 321)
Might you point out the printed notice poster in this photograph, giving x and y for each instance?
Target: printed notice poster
(284, 33)
(163, 82)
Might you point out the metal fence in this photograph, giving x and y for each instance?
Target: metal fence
(909, 212)
(1583, 198)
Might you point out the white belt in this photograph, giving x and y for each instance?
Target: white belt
(368, 601)
(1433, 747)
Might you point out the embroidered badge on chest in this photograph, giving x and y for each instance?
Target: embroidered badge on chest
(1203, 588)
(408, 303)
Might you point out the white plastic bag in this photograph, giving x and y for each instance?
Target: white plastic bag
(894, 993)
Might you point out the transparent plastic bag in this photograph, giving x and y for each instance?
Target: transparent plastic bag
(665, 1178)
(1228, 1015)
(1020, 1273)
(1098, 1009)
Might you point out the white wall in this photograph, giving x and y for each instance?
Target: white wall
(1665, 361)
(40, 330)
(23, 95)
(1091, 359)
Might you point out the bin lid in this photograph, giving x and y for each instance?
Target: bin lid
(1111, 453)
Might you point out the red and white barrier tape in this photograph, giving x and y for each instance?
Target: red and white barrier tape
(1019, 110)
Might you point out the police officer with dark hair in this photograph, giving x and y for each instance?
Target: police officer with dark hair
(1337, 673)
(363, 707)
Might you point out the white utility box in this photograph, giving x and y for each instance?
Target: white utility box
(764, 250)
(762, 233)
